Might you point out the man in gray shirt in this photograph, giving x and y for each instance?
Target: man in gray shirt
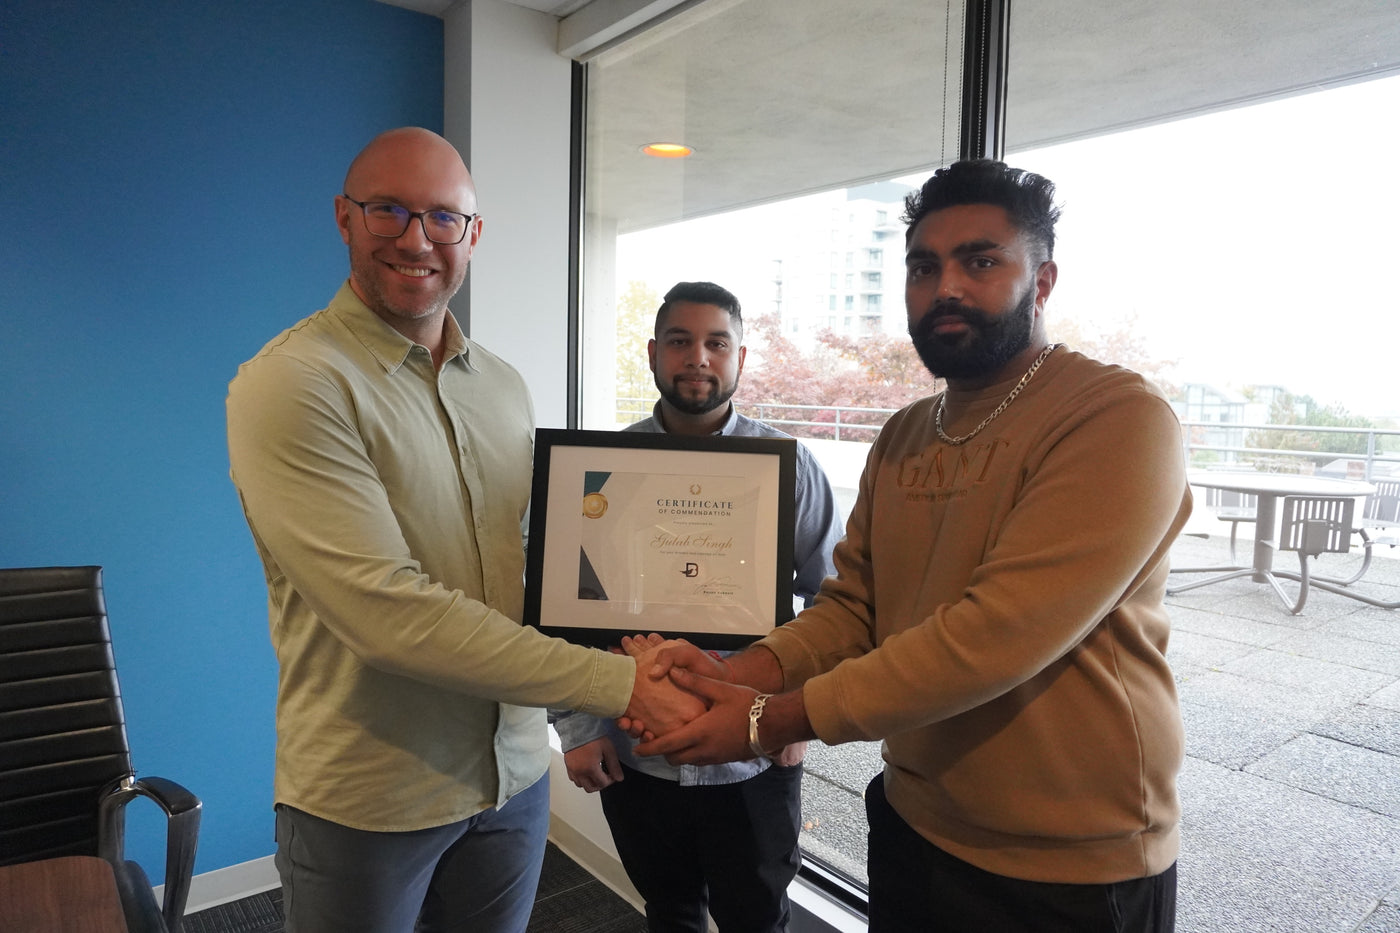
(721, 838)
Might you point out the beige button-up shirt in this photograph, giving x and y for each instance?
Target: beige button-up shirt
(385, 498)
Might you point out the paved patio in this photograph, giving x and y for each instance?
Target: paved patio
(1291, 786)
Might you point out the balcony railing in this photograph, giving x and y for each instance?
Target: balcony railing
(825, 421)
(1324, 450)
(1206, 444)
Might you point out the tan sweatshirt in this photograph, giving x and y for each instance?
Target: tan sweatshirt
(997, 619)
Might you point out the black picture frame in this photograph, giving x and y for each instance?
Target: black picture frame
(748, 594)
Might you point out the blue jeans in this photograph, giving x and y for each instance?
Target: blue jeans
(476, 875)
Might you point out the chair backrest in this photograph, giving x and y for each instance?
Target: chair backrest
(1383, 507)
(1231, 502)
(1316, 524)
(62, 732)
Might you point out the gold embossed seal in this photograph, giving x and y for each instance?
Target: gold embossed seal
(594, 505)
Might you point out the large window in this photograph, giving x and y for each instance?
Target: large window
(773, 97)
(1230, 251)
(1228, 218)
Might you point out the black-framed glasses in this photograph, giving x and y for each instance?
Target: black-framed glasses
(383, 219)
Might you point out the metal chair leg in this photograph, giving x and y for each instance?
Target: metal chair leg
(1304, 582)
(1365, 564)
(1241, 572)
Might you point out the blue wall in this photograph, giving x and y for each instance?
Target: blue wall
(167, 170)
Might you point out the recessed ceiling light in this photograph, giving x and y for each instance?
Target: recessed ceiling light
(667, 150)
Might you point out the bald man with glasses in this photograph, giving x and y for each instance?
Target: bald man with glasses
(383, 462)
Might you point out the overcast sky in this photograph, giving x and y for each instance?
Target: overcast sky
(1257, 245)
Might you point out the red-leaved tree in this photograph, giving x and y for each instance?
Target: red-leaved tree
(880, 371)
(876, 371)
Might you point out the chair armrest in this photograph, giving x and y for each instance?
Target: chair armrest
(138, 900)
(182, 812)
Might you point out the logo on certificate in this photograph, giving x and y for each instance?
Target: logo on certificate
(594, 505)
(691, 570)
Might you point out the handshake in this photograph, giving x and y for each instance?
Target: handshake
(694, 708)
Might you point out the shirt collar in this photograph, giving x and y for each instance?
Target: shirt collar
(385, 344)
(726, 429)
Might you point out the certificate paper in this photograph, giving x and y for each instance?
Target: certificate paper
(637, 532)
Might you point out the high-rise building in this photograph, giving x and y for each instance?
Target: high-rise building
(843, 269)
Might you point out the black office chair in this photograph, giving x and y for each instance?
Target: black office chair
(65, 765)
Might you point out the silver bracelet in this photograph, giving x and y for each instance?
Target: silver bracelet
(756, 711)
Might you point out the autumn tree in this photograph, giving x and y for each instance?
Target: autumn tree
(1301, 410)
(1124, 345)
(875, 371)
(882, 371)
(636, 322)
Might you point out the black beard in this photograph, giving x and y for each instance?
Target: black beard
(717, 397)
(992, 343)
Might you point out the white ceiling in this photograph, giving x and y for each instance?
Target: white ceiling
(785, 96)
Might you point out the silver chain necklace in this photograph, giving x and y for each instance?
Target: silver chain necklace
(943, 403)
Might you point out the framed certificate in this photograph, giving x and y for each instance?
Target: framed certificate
(637, 532)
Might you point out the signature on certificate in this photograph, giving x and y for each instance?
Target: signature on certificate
(721, 587)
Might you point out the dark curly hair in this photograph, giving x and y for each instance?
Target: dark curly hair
(1027, 198)
(704, 293)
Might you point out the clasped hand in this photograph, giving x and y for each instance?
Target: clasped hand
(656, 700)
(711, 728)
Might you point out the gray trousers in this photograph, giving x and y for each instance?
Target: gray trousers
(476, 875)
